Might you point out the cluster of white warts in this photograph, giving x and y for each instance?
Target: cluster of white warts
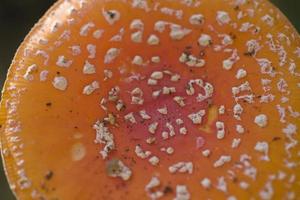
(177, 33)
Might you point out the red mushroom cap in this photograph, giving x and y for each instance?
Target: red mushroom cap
(137, 99)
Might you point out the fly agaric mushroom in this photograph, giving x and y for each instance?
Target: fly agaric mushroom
(157, 99)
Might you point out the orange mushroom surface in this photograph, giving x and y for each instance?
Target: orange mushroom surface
(140, 99)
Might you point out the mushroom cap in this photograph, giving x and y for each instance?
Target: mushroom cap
(154, 99)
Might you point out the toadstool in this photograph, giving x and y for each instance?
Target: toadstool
(157, 99)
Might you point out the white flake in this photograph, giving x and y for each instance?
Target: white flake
(196, 19)
(244, 185)
(111, 16)
(43, 75)
(140, 153)
(75, 50)
(157, 75)
(111, 55)
(268, 20)
(92, 50)
(223, 17)
(88, 68)
(222, 185)
(63, 62)
(152, 81)
(130, 117)
(141, 4)
(160, 26)
(144, 115)
(263, 147)
(104, 136)
(204, 40)
(152, 127)
(154, 160)
(183, 130)
(197, 117)
(163, 110)
(237, 111)
(137, 60)
(206, 152)
(220, 130)
(227, 64)
(137, 36)
(86, 28)
(137, 24)
(241, 73)
(181, 167)
(168, 90)
(171, 129)
(235, 143)
(191, 61)
(227, 40)
(155, 59)
(175, 77)
(261, 120)
(89, 89)
(122, 171)
(222, 160)
(108, 74)
(97, 34)
(221, 110)
(267, 192)
(182, 193)
(240, 129)
(165, 135)
(177, 32)
(153, 40)
(154, 182)
(29, 72)
(206, 183)
(179, 100)
(60, 83)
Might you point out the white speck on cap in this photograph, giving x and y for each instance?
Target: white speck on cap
(137, 60)
(98, 33)
(206, 183)
(153, 40)
(111, 54)
(78, 152)
(227, 64)
(157, 75)
(111, 16)
(60, 83)
(261, 120)
(88, 68)
(44, 75)
(89, 89)
(222, 160)
(63, 62)
(85, 28)
(137, 24)
(92, 50)
(29, 72)
(196, 19)
(241, 73)
(154, 160)
(204, 40)
(137, 37)
(223, 17)
(155, 59)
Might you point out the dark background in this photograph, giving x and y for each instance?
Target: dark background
(18, 16)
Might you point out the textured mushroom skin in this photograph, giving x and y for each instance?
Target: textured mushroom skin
(47, 136)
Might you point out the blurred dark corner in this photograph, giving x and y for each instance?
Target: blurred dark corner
(18, 16)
